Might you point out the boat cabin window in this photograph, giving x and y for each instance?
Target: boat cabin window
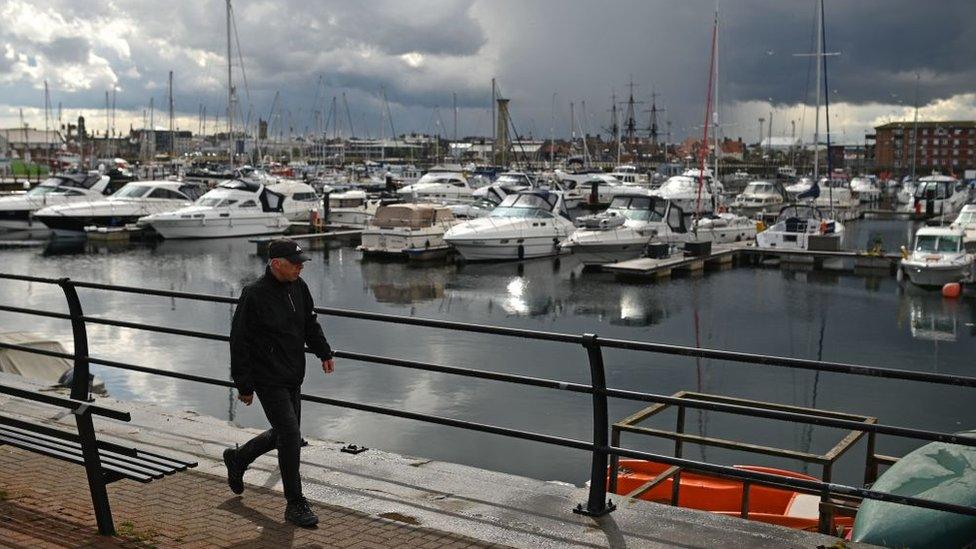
(166, 194)
(932, 189)
(640, 208)
(676, 220)
(248, 204)
(346, 202)
(937, 243)
(132, 191)
(42, 189)
(192, 191)
(966, 218)
(304, 197)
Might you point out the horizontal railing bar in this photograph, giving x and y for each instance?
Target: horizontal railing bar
(836, 367)
(811, 485)
(71, 404)
(906, 432)
(29, 278)
(35, 312)
(151, 328)
(799, 363)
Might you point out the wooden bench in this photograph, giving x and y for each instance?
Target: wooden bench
(104, 462)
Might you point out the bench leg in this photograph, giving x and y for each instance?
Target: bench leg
(93, 468)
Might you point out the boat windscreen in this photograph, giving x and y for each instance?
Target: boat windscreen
(541, 201)
(241, 185)
(937, 243)
(132, 191)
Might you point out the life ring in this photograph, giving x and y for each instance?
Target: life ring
(823, 226)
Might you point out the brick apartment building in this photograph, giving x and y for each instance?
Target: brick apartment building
(949, 147)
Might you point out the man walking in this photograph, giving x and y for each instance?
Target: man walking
(273, 322)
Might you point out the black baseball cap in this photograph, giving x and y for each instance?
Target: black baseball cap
(287, 248)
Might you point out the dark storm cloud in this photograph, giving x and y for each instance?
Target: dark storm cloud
(423, 51)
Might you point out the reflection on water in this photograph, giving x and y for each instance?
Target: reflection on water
(780, 311)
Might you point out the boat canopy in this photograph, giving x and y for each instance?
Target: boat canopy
(241, 185)
(639, 207)
(800, 211)
(411, 215)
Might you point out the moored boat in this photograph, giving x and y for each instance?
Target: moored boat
(724, 496)
(938, 257)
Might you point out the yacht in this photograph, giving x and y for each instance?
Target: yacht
(836, 194)
(939, 195)
(16, 211)
(525, 225)
(405, 230)
(629, 175)
(723, 228)
(760, 196)
(906, 194)
(487, 198)
(967, 222)
(795, 225)
(938, 258)
(592, 188)
(441, 184)
(134, 200)
(865, 190)
(691, 191)
(625, 228)
(798, 188)
(352, 208)
(300, 199)
(233, 208)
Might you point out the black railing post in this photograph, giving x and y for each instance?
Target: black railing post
(597, 504)
(93, 469)
(81, 382)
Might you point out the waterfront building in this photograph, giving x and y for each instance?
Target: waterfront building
(949, 147)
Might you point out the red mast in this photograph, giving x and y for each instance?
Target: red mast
(703, 150)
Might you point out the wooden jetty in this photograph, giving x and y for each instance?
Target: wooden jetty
(646, 267)
(729, 254)
(312, 239)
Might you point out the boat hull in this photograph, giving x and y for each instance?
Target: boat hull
(724, 495)
(507, 249)
(75, 225)
(218, 228)
(933, 276)
(602, 253)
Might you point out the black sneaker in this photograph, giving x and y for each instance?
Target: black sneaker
(300, 514)
(235, 473)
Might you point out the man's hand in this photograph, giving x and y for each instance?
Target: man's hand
(246, 399)
(328, 366)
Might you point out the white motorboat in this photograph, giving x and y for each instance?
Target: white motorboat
(234, 208)
(795, 225)
(939, 195)
(405, 230)
(798, 188)
(300, 199)
(906, 194)
(134, 200)
(967, 223)
(487, 198)
(629, 175)
(442, 185)
(938, 257)
(836, 194)
(625, 228)
(723, 228)
(690, 191)
(352, 208)
(760, 197)
(592, 188)
(525, 225)
(17, 211)
(865, 190)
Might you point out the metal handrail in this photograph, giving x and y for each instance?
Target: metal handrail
(600, 447)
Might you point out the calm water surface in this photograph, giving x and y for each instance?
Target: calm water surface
(836, 317)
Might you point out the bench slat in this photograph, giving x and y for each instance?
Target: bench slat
(40, 449)
(107, 460)
(65, 435)
(129, 458)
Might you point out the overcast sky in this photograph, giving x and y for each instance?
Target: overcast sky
(424, 51)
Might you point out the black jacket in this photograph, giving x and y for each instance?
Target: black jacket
(272, 324)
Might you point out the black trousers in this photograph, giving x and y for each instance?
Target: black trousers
(283, 406)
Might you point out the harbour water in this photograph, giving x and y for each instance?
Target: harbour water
(870, 320)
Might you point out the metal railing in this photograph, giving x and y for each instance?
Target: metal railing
(599, 446)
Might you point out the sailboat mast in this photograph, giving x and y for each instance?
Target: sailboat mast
(823, 40)
(715, 100)
(816, 116)
(230, 98)
(915, 129)
(703, 150)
